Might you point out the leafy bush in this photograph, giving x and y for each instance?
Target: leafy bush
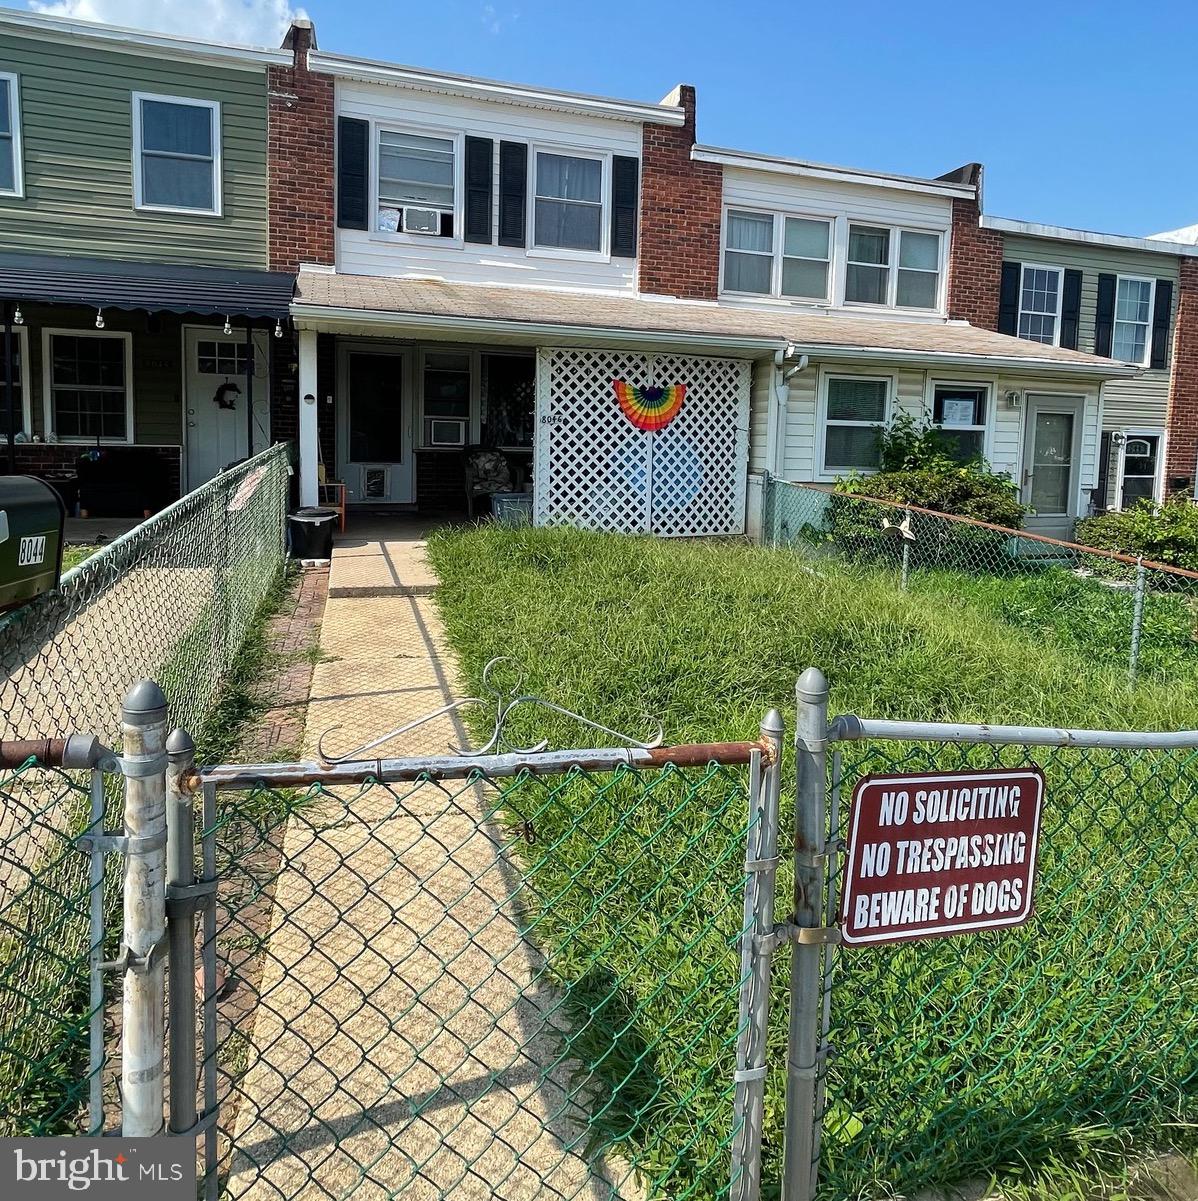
(1165, 533)
(910, 445)
(968, 491)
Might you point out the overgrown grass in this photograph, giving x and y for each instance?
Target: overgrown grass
(1030, 1058)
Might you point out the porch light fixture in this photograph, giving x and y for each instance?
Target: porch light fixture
(278, 328)
(18, 318)
(228, 327)
(1014, 399)
(99, 318)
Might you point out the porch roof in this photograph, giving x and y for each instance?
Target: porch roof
(151, 287)
(432, 308)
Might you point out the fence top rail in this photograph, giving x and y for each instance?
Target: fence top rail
(850, 728)
(460, 767)
(1113, 556)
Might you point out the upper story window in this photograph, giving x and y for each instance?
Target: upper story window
(899, 268)
(1133, 319)
(417, 183)
(568, 213)
(1040, 304)
(176, 154)
(788, 257)
(10, 136)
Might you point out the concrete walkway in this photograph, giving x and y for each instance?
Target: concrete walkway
(403, 1046)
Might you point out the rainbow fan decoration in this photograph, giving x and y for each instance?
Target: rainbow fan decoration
(650, 408)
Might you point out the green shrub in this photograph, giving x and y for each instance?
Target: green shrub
(1165, 533)
(969, 491)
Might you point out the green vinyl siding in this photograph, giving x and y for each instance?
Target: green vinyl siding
(77, 133)
(1143, 401)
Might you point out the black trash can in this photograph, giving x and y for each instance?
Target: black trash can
(310, 533)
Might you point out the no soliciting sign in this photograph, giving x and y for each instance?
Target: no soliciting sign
(943, 853)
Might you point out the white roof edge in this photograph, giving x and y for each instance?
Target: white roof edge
(143, 40)
(1105, 369)
(1062, 233)
(371, 71)
(794, 166)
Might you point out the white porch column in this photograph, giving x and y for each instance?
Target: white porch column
(309, 445)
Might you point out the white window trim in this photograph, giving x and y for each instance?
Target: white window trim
(21, 337)
(603, 157)
(892, 267)
(776, 253)
(472, 419)
(1158, 481)
(213, 107)
(48, 385)
(1060, 273)
(1139, 279)
(13, 83)
(824, 472)
(458, 138)
(987, 426)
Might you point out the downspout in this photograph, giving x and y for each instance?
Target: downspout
(779, 412)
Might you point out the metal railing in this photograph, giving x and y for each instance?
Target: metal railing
(1127, 613)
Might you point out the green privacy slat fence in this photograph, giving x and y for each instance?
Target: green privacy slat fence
(522, 987)
(955, 1058)
(174, 599)
(1140, 618)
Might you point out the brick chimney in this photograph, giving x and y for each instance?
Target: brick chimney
(975, 257)
(300, 167)
(679, 252)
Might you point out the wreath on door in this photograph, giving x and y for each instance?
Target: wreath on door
(226, 395)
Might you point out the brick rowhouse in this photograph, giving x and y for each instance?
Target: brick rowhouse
(974, 264)
(1182, 456)
(679, 250)
(300, 184)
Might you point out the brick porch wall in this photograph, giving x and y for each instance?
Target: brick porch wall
(1182, 453)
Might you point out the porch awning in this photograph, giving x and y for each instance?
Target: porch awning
(150, 287)
(533, 316)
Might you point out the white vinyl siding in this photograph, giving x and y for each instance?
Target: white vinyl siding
(368, 252)
(11, 174)
(176, 154)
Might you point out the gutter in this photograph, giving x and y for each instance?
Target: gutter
(1103, 369)
(311, 316)
(474, 88)
(1062, 233)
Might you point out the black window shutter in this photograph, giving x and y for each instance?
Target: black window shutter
(479, 155)
(625, 175)
(1104, 317)
(513, 192)
(353, 171)
(1101, 494)
(1008, 299)
(1071, 308)
(1161, 309)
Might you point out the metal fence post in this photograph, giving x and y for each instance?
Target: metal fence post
(761, 863)
(802, 1067)
(1137, 622)
(180, 910)
(143, 726)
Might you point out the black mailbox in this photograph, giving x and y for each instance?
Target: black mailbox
(31, 523)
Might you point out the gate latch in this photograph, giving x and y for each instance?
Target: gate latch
(806, 936)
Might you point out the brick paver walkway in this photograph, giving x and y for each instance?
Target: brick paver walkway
(403, 1046)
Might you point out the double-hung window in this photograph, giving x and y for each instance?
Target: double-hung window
(568, 213)
(1040, 304)
(416, 171)
(10, 136)
(893, 267)
(855, 414)
(176, 154)
(1133, 319)
(446, 396)
(758, 263)
(87, 377)
(960, 414)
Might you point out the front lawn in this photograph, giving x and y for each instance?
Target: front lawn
(1038, 1052)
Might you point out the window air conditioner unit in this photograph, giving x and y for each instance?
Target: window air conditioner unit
(421, 221)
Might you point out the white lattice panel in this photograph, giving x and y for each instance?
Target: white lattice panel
(594, 469)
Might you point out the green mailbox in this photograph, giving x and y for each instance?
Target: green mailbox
(31, 525)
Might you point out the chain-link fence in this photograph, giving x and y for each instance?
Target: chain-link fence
(1064, 1042)
(175, 598)
(1138, 617)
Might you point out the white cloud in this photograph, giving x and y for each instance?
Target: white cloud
(494, 21)
(246, 22)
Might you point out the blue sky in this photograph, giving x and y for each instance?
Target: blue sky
(1084, 115)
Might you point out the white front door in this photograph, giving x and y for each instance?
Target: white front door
(217, 416)
(1051, 453)
(374, 436)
